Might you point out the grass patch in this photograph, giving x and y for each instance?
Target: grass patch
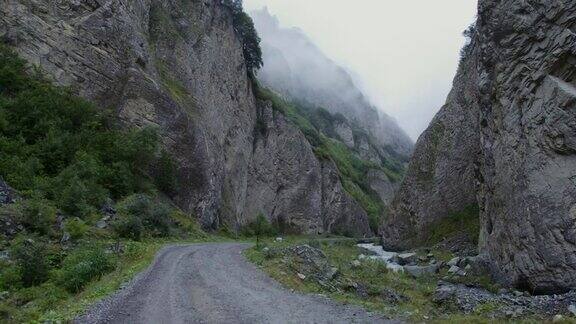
(50, 302)
(176, 88)
(416, 302)
(466, 221)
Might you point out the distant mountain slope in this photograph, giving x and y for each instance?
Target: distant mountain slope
(298, 70)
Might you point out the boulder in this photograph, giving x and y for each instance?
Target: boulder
(419, 271)
(312, 262)
(406, 258)
(455, 270)
(454, 262)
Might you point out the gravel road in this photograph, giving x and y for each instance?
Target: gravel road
(213, 283)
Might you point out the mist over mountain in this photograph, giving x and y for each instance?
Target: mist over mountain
(297, 69)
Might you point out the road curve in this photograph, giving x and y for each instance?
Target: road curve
(213, 283)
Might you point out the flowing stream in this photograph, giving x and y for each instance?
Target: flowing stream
(385, 256)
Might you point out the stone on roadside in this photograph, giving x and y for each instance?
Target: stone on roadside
(392, 297)
(362, 291)
(444, 292)
(356, 264)
(301, 276)
(279, 239)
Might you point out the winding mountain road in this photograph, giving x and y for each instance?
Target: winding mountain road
(213, 283)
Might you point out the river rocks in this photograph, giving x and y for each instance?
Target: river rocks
(454, 261)
(406, 258)
(455, 270)
(419, 271)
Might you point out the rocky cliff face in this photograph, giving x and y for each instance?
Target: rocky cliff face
(519, 129)
(178, 66)
(528, 141)
(441, 176)
(297, 70)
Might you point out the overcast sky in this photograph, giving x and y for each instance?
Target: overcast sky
(404, 52)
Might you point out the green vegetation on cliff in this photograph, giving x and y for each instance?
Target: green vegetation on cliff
(244, 28)
(317, 125)
(465, 222)
(69, 163)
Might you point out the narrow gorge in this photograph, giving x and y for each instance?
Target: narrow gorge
(126, 124)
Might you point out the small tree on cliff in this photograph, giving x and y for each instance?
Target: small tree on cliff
(244, 28)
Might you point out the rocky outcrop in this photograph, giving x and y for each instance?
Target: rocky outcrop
(298, 70)
(341, 214)
(298, 192)
(519, 79)
(528, 140)
(178, 66)
(382, 185)
(441, 176)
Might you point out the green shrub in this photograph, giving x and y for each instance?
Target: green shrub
(466, 221)
(58, 146)
(82, 266)
(37, 215)
(260, 227)
(187, 224)
(76, 228)
(165, 174)
(31, 257)
(155, 216)
(10, 277)
(244, 28)
(6, 313)
(129, 227)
